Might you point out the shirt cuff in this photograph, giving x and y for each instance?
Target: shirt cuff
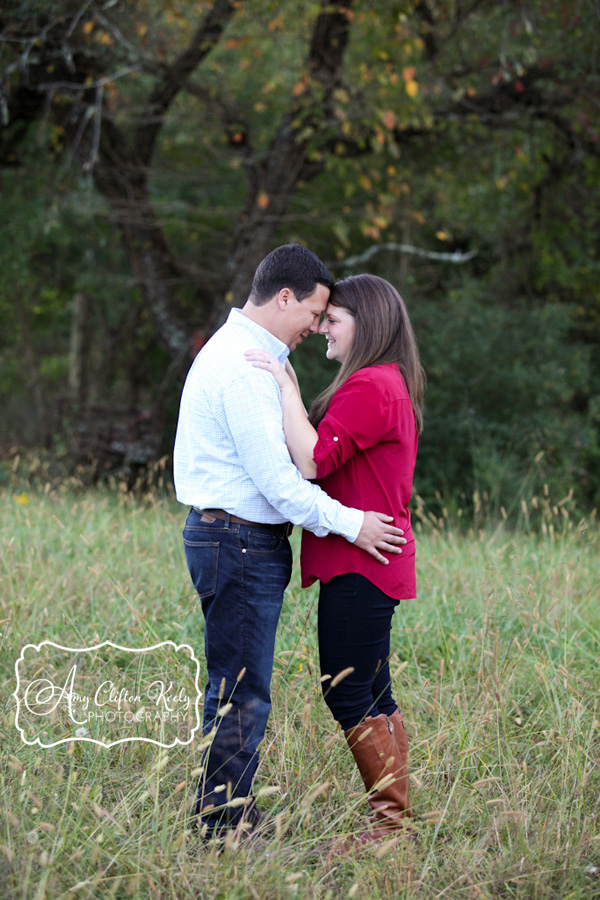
(349, 523)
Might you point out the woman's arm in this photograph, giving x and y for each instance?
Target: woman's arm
(300, 436)
(290, 370)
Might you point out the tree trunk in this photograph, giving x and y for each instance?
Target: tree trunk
(154, 268)
(33, 378)
(79, 351)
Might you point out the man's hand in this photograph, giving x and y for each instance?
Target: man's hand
(377, 534)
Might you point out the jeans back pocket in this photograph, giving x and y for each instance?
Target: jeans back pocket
(203, 562)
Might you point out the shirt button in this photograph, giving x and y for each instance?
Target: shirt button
(336, 439)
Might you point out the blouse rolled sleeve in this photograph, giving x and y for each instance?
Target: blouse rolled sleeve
(334, 447)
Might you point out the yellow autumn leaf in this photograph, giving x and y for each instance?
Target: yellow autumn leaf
(88, 27)
(22, 499)
(263, 200)
(441, 235)
(412, 88)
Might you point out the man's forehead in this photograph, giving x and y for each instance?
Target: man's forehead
(319, 300)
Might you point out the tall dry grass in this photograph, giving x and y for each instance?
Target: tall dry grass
(495, 665)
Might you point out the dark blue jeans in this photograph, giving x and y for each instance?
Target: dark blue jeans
(240, 574)
(355, 620)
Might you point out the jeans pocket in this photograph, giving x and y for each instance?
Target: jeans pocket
(203, 560)
(263, 541)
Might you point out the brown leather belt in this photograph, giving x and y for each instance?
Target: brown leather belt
(283, 528)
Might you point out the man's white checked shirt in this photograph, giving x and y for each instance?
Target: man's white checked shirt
(230, 451)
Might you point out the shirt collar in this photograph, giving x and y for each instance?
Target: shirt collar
(263, 337)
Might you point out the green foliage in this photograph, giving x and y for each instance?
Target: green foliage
(452, 127)
(55, 242)
(501, 382)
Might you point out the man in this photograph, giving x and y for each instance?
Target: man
(233, 469)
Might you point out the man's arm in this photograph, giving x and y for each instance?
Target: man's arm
(253, 412)
(300, 436)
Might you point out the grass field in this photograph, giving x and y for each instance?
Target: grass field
(495, 665)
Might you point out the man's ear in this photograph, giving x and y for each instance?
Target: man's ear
(283, 297)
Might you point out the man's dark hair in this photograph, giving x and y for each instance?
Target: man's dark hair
(290, 266)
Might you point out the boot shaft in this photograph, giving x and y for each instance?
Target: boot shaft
(380, 749)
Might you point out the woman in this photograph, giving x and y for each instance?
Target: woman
(360, 443)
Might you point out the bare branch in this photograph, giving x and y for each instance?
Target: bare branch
(206, 37)
(274, 177)
(92, 85)
(234, 121)
(123, 41)
(425, 15)
(77, 18)
(76, 140)
(89, 165)
(457, 258)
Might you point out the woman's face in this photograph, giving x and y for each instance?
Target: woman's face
(338, 326)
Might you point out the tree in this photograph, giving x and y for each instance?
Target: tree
(214, 130)
(87, 53)
(114, 80)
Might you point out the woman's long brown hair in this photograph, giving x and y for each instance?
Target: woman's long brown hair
(383, 335)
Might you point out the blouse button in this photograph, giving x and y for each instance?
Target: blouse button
(336, 439)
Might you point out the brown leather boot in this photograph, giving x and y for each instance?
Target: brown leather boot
(397, 720)
(380, 749)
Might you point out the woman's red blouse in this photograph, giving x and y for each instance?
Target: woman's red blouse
(365, 456)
